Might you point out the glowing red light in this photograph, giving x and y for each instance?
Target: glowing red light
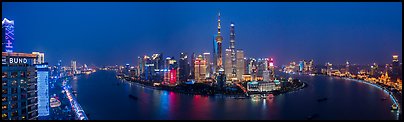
(173, 76)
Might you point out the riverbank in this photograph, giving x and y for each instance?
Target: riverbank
(208, 90)
(393, 95)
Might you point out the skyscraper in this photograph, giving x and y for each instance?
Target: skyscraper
(233, 52)
(395, 68)
(74, 66)
(7, 35)
(347, 67)
(272, 69)
(219, 40)
(19, 88)
(184, 67)
(227, 64)
(240, 64)
(40, 59)
(192, 69)
(221, 79)
(43, 89)
(206, 56)
(200, 69)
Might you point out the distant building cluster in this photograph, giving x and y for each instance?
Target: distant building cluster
(390, 75)
(206, 68)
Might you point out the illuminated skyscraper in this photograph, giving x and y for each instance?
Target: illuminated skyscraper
(184, 67)
(395, 68)
(40, 59)
(206, 57)
(200, 69)
(373, 69)
(240, 64)
(19, 89)
(74, 66)
(301, 66)
(233, 59)
(272, 69)
(221, 79)
(192, 72)
(219, 40)
(59, 69)
(43, 89)
(7, 35)
(310, 66)
(227, 64)
(347, 67)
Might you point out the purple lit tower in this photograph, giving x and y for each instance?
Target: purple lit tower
(7, 35)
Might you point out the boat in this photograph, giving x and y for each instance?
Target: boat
(394, 107)
(322, 99)
(133, 97)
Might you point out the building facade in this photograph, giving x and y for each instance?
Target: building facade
(43, 89)
(240, 64)
(19, 87)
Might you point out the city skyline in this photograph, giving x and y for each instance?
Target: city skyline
(266, 30)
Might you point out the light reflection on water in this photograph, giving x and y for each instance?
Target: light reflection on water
(103, 99)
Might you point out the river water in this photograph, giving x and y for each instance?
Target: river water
(100, 96)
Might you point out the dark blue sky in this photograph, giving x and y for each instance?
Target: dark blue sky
(116, 33)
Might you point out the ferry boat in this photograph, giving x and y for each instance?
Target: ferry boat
(312, 74)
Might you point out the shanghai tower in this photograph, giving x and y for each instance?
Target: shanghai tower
(233, 51)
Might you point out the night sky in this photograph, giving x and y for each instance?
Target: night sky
(116, 33)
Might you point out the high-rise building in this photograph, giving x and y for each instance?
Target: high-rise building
(227, 64)
(59, 69)
(40, 59)
(373, 70)
(272, 69)
(206, 57)
(329, 68)
(310, 66)
(219, 40)
(19, 88)
(74, 66)
(157, 67)
(7, 35)
(267, 76)
(200, 69)
(233, 57)
(395, 68)
(43, 89)
(192, 69)
(301, 66)
(221, 79)
(347, 67)
(240, 64)
(184, 67)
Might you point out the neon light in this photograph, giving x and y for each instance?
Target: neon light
(8, 34)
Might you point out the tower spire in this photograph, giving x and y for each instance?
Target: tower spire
(218, 23)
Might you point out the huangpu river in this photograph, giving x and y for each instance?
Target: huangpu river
(103, 96)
